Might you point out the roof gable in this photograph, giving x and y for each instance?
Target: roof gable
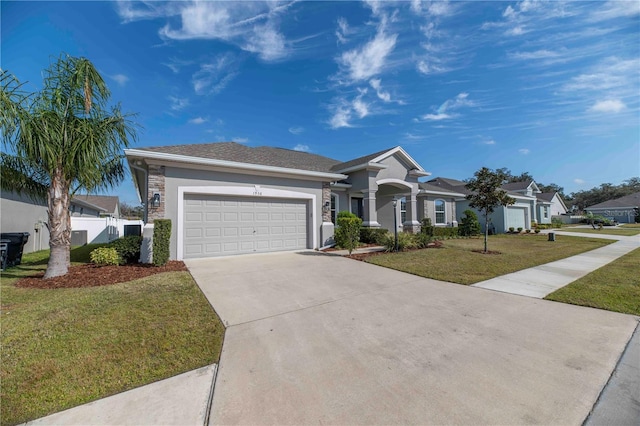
(378, 157)
(107, 203)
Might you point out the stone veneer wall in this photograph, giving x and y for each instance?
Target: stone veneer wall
(156, 184)
(326, 198)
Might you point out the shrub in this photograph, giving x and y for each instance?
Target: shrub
(448, 232)
(105, 256)
(469, 224)
(528, 231)
(423, 240)
(347, 233)
(519, 229)
(372, 235)
(161, 239)
(426, 227)
(556, 222)
(511, 229)
(537, 230)
(128, 248)
(406, 241)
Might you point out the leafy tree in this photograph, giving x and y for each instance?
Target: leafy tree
(486, 195)
(604, 192)
(62, 138)
(130, 211)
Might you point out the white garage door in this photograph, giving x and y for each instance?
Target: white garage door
(516, 218)
(225, 225)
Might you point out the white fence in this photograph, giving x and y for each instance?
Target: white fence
(569, 219)
(102, 229)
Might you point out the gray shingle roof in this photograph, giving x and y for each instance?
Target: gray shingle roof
(262, 155)
(545, 196)
(516, 186)
(632, 200)
(106, 202)
(429, 187)
(359, 160)
(449, 184)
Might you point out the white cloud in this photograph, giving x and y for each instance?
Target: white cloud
(437, 117)
(121, 79)
(608, 75)
(296, 130)
(178, 103)
(375, 83)
(489, 142)
(301, 148)
(343, 30)
(267, 42)
(515, 31)
(524, 151)
(240, 140)
(615, 9)
(444, 111)
(198, 120)
(249, 25)
(360, 107)
(579, 181)
(428, 67)
(214, 76)
(413, 137)
(609, 105)
(370, 59)
(341, 115)
(537, 54)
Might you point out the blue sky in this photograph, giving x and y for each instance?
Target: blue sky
(549, 88)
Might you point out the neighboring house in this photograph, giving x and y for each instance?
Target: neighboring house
(521, 214)
(622, 210)
(550, 204)
(19, 213)
(228, 198)
(96, 205)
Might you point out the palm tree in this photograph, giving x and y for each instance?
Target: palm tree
(62, 139)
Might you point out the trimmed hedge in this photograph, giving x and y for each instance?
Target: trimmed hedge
(347, 234)
(372, 235)
(161, 239)
(445, 232)
(128, 248)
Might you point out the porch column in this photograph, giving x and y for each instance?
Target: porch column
(370, 213)
(411, 224)
(327, 227)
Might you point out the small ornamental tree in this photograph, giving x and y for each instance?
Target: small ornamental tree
(469, 224)
(487, 194)
(347, 234)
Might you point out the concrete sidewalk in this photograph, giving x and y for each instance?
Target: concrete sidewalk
(180, 400)
(542, 280)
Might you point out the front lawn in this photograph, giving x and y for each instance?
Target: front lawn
(614, 287)
(457, 262)
(623, 230)
(65, 347)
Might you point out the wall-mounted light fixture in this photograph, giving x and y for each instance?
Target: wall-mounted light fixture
(327, 206)
(155, 200)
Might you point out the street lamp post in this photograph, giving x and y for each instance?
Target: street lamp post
(395, 224)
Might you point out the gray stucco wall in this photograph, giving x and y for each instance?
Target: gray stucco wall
(427, 208)
(176, 177)
(20, 214)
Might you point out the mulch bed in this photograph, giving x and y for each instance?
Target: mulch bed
(364, 256)
(90, 275)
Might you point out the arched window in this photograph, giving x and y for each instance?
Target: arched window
(441, 218)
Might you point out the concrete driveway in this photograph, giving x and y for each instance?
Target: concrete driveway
(318, 339)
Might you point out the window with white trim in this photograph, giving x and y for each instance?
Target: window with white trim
(546, 212)
(334, 208)
(441, 218)
(403, 210)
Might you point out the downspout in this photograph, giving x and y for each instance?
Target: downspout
(146, 190)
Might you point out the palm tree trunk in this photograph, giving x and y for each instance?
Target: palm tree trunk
(59, 227)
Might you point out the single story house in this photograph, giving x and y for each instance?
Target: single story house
(227, 198)
(623, 210)
(526, 210)
(95, 206)
(554, 202)
(19, 213)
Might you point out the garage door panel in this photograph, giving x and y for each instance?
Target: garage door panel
(516, 217)
(242, 225)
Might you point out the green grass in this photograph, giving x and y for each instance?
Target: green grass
(65, 347)
(622, 231)
(457, 262)
(614, 287)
